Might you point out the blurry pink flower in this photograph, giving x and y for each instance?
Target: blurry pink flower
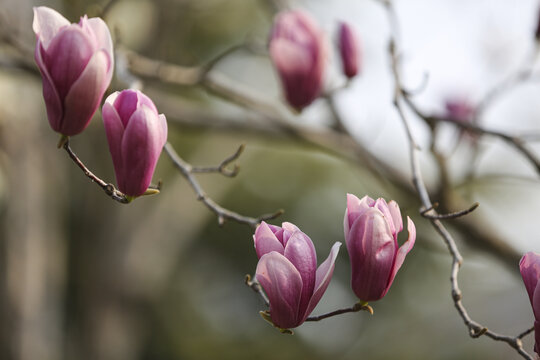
(136, 134)
(287, 271)
(459, 110)
(76, 63)
(349, 49)
(529, 266)
(371, 229)
(298, 51)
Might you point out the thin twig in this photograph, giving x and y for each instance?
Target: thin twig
(222, 167)
(223, 214)
(517, 142)
(453, 215)
(526, 332)
(355, 308)
(475, 329)
(255, 286)
(109, 189)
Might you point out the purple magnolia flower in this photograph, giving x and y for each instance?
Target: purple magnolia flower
(529, 266)
(349, 49)
(298, 51)
(371, 230)
(136, 134)
(76, 63)
(460, 110)
(287, 271)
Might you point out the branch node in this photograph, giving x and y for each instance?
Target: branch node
(456, 295)
(476, 332)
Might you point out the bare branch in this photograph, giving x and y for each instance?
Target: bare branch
(222, 167)
(453, 215)
(255, 286)
(355, 308)
(223, 214)
(400, 97)
(109, 189)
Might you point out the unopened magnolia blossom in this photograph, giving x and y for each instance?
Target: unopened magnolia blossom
(349, 50)
(288, 273)
(371, 231)
(76, 63)
(298, 50)
(529, 266)
(136, 134)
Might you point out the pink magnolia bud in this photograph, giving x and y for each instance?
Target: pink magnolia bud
(349, 49)
(529, 266)
(287, 271)
(136, 135)
(76, 63)
(371, 229)
(460, 110)
(298, 51)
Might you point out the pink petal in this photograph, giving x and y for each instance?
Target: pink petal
(265, 241)
(529, 266)
(126, 103)
(536, 301)
(140, 150)
(396, 215)
(287, 230)
(114, 130)
(47, 23)
(301, 253)
(50, 95)
(163, 128)
(324, 275)
(381, 204)
(403, 250)
(355, 207)
(283, 285)
(102, 35)
(85, 95)
(67, 56)
(372, 249)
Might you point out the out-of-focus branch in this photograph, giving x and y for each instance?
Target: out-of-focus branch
(223, 214)
(517, 142)
(453, 215)
(400, 97)
(222, 167)
(522, 75)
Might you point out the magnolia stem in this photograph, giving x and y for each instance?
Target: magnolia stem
(109, 189)
(355, 308)
(223, 214)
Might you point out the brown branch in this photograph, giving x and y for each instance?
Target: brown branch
(400, 96)
(222, 167)
(109, 189)
(255, 286)
(453, 215)
(222, 213)
(355, 308)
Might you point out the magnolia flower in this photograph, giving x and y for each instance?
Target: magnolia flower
(76, 63)
(349, 49)
(529, 266)
(288, 273)
(136, 134)
(371, 230)
(298, 51)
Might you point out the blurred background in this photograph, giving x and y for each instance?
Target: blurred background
(83, 277)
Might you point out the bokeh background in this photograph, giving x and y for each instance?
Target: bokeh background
(83, 277)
